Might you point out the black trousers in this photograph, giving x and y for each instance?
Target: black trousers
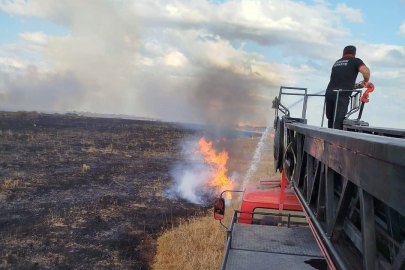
(341, 111)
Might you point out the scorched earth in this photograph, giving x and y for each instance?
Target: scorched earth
(85, 193)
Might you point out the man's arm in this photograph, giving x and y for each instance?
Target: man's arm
(366, 73)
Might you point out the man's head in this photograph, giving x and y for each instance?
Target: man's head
(349, 50)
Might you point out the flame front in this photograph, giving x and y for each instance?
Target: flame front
(218, 167)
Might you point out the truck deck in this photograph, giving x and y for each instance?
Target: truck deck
(272, 247)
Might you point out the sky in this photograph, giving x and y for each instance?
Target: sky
(201, 61)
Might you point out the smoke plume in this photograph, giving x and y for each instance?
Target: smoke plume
(88, 67)
(224, 98)
(195, 180)
(110, 61)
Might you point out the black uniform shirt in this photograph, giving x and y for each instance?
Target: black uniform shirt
(344, 74)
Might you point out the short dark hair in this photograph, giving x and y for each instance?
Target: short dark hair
(349, 50)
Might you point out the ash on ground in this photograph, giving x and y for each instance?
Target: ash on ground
(85, 193)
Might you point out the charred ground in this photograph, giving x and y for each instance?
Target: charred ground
(85, 193)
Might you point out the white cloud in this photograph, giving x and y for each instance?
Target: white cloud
(154, 47)
(266, 22)
(208, 51)
(402, 29)
(352, 15)
(12, 64)
(300, 28)
(37, 37)
(382, 55)
(323, 2)
(176, 59)
(387, 74)
(21, 7)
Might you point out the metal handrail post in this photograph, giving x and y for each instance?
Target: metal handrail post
(304, 109)
(228, 240)
(323, 113)
(336, 103)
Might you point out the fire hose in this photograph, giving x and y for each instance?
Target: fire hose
(365, 97)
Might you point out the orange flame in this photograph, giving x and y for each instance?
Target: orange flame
(217, 164)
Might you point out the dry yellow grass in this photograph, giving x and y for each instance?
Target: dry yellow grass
(9, 183)
(85, 168)
(199, 242)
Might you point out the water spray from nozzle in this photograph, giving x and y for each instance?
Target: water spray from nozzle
(302, 99)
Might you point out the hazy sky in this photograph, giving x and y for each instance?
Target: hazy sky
(196, 61)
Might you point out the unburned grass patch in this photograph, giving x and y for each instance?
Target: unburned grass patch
(10, 184)
(196, 244)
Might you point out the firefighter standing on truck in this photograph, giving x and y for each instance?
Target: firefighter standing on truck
(343, 77)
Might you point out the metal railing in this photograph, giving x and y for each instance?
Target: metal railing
(386, 132)
(353, 98)
(354, 101)
(305, 96)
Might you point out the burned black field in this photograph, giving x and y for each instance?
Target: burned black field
(85, 193)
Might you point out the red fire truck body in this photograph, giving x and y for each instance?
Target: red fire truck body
(268, 194)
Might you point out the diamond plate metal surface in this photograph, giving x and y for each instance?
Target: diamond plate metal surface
(244, 260)
(294, 241)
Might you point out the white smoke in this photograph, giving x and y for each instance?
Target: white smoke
(190, 185)
(192, 175)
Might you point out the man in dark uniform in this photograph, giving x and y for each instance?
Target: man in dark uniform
(343, 76)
